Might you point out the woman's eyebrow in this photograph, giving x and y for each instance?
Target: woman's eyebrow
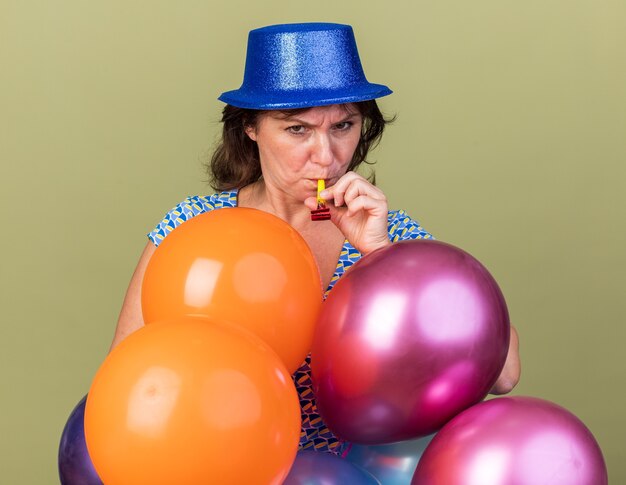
(295, 119)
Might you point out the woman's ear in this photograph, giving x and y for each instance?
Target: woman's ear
(251, 132)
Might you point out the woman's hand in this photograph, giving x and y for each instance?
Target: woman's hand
(359, 210)
(509, 377)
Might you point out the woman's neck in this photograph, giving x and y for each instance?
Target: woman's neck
(260, 195)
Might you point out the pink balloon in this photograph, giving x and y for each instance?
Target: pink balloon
(411, 336)
(513, 440)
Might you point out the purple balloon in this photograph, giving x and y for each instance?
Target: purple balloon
(318, 468)
(75, 466)
(520, 440)
(411, 336)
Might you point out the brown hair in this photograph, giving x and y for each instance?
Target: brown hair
(235, 162)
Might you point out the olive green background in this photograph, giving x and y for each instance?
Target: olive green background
(509, 142)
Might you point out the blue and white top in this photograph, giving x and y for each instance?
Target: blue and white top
(314, 433)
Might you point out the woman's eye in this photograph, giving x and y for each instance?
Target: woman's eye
(296, 129)
(344, 125)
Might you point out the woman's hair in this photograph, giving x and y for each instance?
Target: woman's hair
(235, 162)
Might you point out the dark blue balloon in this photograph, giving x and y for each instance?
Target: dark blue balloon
(318, 468)
(75, 467)
(392, 464)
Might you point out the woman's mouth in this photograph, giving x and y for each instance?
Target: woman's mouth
(328, 181)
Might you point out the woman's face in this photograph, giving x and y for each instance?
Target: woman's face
(297, 150)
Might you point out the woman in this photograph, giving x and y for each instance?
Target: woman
(305, 112)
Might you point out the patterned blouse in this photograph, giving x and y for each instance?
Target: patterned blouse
(314, 433)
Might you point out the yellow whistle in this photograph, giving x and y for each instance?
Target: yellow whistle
(321, 185)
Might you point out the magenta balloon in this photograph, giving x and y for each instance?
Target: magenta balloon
(412, 335)
(513, 440)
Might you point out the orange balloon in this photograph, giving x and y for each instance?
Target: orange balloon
(244, 266)
(189, 402)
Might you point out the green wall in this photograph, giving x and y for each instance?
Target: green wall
(509, 142)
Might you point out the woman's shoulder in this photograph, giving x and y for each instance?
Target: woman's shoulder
(401, 227)
(191, 207)
(219, 200)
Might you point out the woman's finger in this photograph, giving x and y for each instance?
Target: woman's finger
(366, 203)
(351, 184)
(362, 187)
(311, 203)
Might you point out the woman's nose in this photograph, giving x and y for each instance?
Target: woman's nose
(322, 150)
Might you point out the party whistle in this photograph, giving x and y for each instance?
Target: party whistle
(322, 213)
